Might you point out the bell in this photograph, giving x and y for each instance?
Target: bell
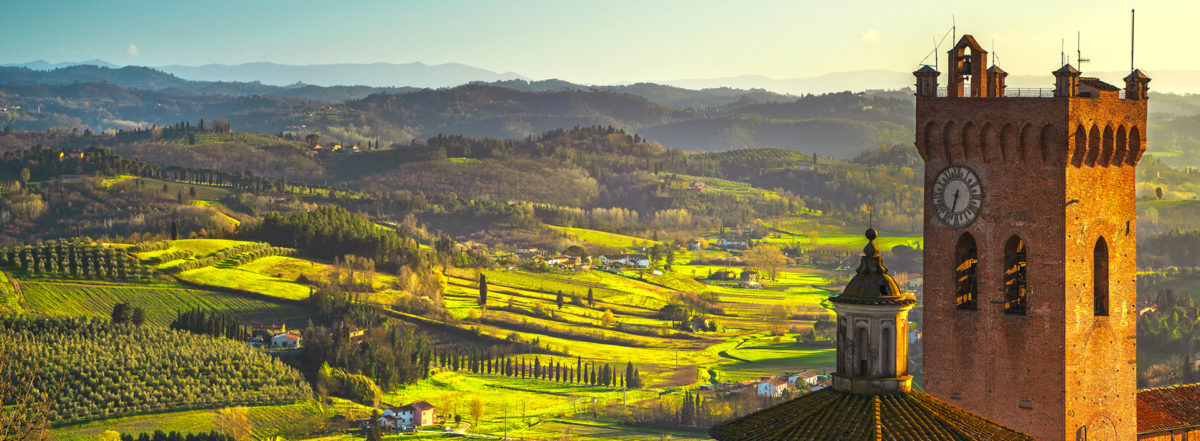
(966, 66)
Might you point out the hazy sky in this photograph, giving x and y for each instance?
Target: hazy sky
(595, 42)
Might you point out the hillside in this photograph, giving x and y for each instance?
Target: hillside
(150, 79)
(130, 98)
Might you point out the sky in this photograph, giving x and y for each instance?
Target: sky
(613, 41)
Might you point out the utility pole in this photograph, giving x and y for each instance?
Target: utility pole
(506, 422)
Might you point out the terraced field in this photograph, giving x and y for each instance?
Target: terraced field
(160, 303)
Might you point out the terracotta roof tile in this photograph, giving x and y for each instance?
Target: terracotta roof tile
(1168, 408)
(1099, 85)
(833, 415)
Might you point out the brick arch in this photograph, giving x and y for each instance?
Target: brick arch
(1121, 148)
(1015, 265)
(1135, 146)
(952, 142)
(1030, 145)
(1009, 144)
(1093, 146)
(966, 260)
(991, 144)
(970, 142)
(1053, 152)
(932, 147)
(1079, 149)
(1106, 147)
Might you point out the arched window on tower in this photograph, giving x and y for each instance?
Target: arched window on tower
(862, 347)
(967, 286)
(842, 338)
(1100, 277)
(886, 353)
(1014, 276)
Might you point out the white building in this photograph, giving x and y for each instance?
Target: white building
(286, 340)
(771, 387)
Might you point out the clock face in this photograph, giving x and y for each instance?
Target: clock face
(957, 196)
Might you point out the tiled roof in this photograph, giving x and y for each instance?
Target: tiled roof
(421, 405)
(1167, 408)
(1067, 69)
(1099, 85)
(828, 414)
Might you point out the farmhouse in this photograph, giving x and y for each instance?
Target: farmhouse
(286, 340)
(770, 386)
(630, 260)
(734, 243)
(419, 413)
(422, 413)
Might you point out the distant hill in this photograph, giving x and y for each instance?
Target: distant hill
(419, 75)
(833, 82)
(45, 65)
(841, 125)
(480, 110)
(145, 78)
(673, 96)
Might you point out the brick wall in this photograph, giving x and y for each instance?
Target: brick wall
(1056, 368)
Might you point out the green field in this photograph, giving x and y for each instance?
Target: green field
(600, 237)
(160, 303)
(9, 300)
(238, 278)
(761, 354)
(524, 303)
(261, 276)
(527, 401)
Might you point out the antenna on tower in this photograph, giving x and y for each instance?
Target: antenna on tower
(1062, 52)
(995, 57)
(953, 29)
(937, 46)
(1079, 53)
(1132, 24)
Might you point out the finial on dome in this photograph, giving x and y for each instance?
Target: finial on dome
(871, 250)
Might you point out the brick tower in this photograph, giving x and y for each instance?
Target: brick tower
(1030, 247)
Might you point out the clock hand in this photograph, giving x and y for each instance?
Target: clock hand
(955, 203)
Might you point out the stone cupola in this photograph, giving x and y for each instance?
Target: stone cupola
(872, 329)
